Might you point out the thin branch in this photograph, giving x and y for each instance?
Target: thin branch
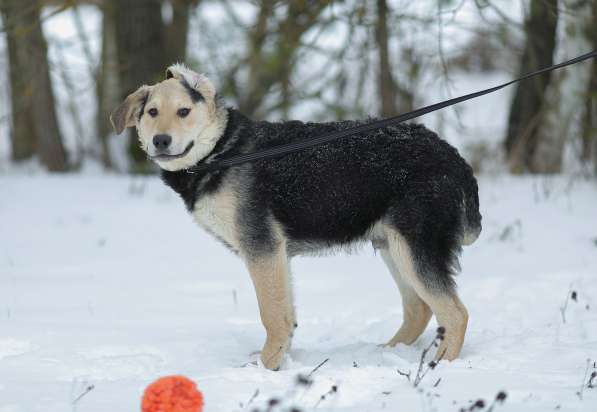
(421, 372)
(503, 16)
(85, 42)
(571, 294)
(584, 379)
(85, 392)
(251, 399)
(323, 397)
(317, 367)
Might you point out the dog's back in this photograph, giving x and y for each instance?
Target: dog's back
(333, 194)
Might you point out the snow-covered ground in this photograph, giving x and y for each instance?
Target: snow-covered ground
(105, 281)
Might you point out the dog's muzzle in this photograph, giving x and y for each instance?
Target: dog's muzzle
(168, 156)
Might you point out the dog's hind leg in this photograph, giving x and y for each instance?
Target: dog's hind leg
(416, 313)
(271, 278)
(443, 301)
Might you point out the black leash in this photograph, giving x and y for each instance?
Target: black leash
(378, 124)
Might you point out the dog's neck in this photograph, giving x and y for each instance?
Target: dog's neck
(191, 184)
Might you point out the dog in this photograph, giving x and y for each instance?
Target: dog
(402, 188)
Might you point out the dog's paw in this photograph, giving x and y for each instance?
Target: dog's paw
(392, 343)
(389, 344)
(272, 354)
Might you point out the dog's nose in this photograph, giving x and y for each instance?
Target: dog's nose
(162, 141)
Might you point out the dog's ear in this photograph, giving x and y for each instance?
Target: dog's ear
(196, 81)
(127, 113)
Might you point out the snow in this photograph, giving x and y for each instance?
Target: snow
(105, 281)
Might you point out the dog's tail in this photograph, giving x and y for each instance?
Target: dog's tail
(472, 216)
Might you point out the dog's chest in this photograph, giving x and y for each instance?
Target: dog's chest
(216, 213)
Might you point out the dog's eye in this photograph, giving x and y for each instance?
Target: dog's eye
(184, 112)
(153, 112)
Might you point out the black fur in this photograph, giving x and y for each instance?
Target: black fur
(143, 103)
(195, 95)
(332, 195)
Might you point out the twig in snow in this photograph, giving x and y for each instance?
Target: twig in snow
(317, 367)
(271, 404)
(499, 399)
(570, 295)
(251, 399)
(421, 371)
(322, 398)
(405, 374)
(480, 403)
(305, 381)
(302, 380)
(85, 392)
(282, 403)
(590, 383)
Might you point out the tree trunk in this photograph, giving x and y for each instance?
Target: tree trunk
(49, 141)
(248, 104)
(22, 136)
(140, 42)
(526, 109)
(177, 30)
(34, 117)
(567, 95)
(386, 84)
(107, 84)
(589, 122)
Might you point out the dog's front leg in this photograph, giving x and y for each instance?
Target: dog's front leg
(270, 277)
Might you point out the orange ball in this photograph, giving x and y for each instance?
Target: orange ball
(172, 394)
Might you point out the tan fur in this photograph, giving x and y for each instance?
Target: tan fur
(216, 213)
(449, 311)
(126, 114)
(416, 313)
(271, 278)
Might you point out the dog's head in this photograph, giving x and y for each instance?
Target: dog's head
(178, 120)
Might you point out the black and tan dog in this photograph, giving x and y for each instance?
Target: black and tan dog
(401, 188)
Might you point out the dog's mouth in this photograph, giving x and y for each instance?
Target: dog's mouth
(165, 156)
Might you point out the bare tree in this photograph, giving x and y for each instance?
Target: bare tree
(386, 84)
(22, 136)
(34, 122)
(565, 111)
(589, 121)
(177, 29)
(107, 83)
(273, 66)
(526, 109)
